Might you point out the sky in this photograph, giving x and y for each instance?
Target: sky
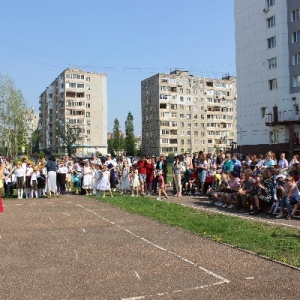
(129, 40)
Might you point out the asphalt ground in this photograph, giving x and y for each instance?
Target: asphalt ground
(74, 247)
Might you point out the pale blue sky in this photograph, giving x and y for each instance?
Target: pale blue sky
(129, 40)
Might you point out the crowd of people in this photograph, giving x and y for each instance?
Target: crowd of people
(229, 181)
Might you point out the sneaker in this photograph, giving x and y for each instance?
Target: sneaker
(218, 203)
(166, 197)
(225, 206)
(231, 206)
(197, 194)
(279, 216)
(158, 198)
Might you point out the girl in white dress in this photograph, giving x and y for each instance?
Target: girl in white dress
(135, 183)
(96, 179)
(87, 178)
(125, 183)
(104, 182)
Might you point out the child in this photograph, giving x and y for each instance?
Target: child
(10, 182)
(75, 180)
(104, 182)
(28, 173)
(135, 183)
(161, 185)
(20, 174)
(33, 182)
(41, 181)
(125, 183)
(214, 188)
(96, 179)
(277, 194)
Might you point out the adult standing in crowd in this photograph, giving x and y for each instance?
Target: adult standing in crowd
(163, 165)
(142, 173)
(51, 174)
(111, 165)
(177, 167)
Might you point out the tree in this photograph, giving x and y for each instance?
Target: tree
(69, 135)
(130, 145)
(35, 138)
(13, 111)
(118, 141)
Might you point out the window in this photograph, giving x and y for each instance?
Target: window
(88, 87)
(88, 96)
(271, 22)
(72, 85)
(296, 81)
(272, 63)
(271, 42)
(270, 3)
(181, 99)
(273, 84)
(88, 131)
(88, 114)
(296, 36)
(80, 85)
(88, 105)
(295, 15)
(88, 78)
(296, 59)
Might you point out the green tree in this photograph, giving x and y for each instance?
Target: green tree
(35, 138)
(110, 146)
(118, 141)
(69, 136)
(13, 122)
(130, 145)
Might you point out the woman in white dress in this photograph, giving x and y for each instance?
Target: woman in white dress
(125, 183)
(104, 182)
(87, 178)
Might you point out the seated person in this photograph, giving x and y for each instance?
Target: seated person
(233, 187)
(245, 192)
(190, 184)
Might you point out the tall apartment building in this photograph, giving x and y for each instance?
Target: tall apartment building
(182, 112)
(78, 98)
(268, 75)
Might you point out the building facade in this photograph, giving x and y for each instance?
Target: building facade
(268, 75)
(77, 98)
(182, 112)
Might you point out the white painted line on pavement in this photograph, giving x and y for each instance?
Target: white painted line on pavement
(82, 229)
(137, 275)
(222, 279)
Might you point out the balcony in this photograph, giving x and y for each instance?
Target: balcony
(282, 118)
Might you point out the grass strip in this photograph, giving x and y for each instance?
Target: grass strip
(275, 242)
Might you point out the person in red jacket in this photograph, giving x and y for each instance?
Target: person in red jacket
(141, 166)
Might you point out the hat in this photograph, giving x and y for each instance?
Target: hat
(280, 176)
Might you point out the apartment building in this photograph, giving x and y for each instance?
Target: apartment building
(268, 75)
(78, 98)
(182, 112)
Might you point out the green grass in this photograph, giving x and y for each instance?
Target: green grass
(275, 242)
